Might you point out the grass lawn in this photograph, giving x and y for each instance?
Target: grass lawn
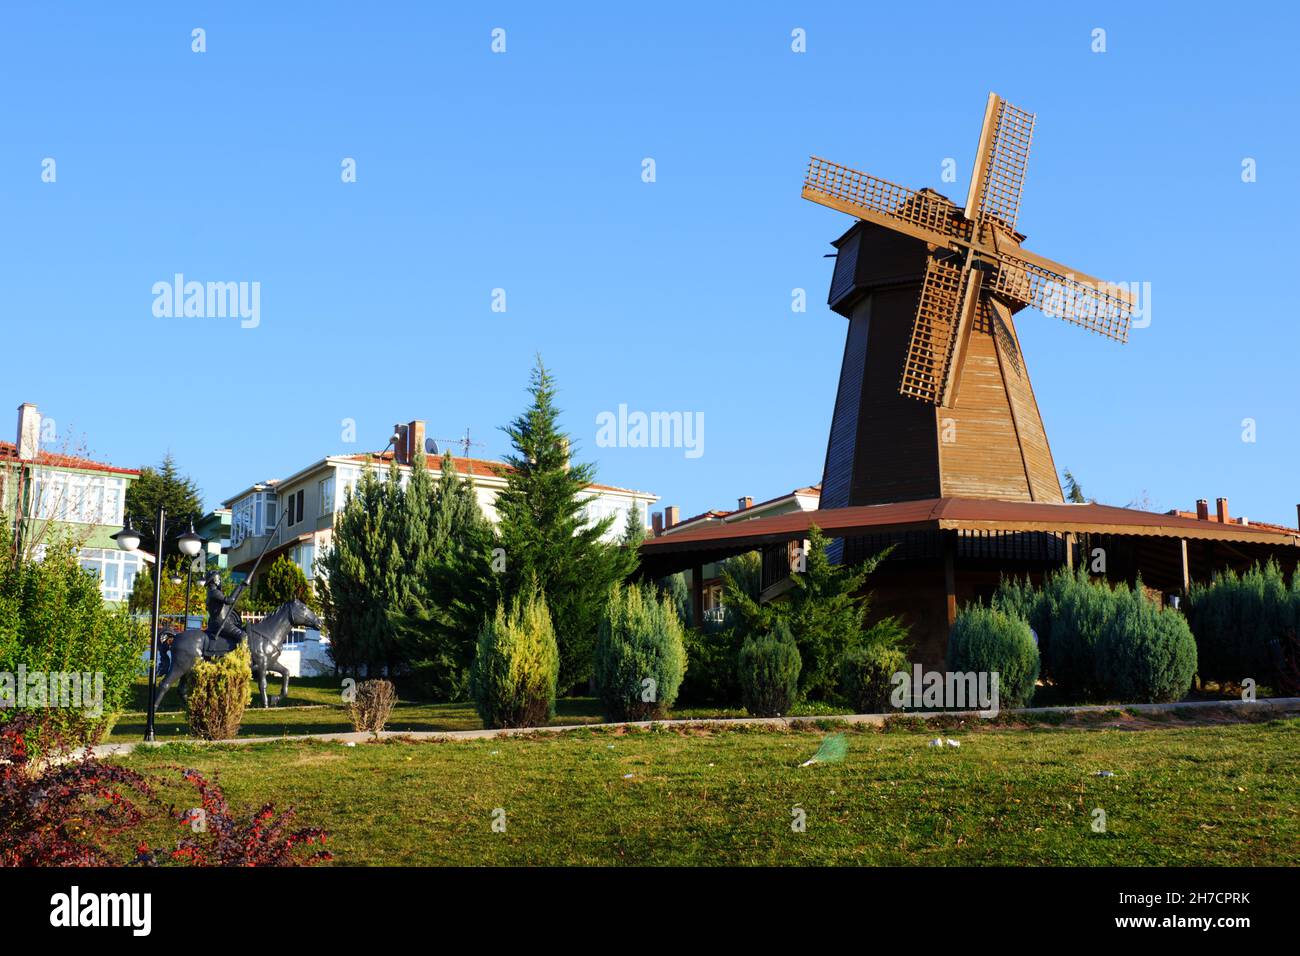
(315, 706)
(1212, 793)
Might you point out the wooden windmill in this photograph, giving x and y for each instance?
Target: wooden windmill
(934, 397)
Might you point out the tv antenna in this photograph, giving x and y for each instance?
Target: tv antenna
(465, 444)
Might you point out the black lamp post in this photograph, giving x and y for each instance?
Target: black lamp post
(128, 539)
(190, 545)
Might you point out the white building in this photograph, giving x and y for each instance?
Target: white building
(312, 496)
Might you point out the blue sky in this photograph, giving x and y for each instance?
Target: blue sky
(522, 171)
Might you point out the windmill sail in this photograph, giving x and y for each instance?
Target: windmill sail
(1000, 163)
(929, 353)
(1093, 305)
(923, 215)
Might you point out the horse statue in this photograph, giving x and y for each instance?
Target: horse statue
(265, 639)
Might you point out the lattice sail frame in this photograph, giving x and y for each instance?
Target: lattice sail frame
(1095, 307)
(994, 201)
(930, 349)
(1002, 168)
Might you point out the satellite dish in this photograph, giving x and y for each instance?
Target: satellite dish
(430, 446)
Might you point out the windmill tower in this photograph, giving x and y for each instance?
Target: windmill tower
(934, 397)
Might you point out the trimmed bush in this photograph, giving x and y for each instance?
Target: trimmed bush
(986, 640)
(640, 655)
(371, 705)
(218, 693)
(767, 669)
(1084, 609)
(53, 620)
(1147, 653)
(868, 676)
(1236, 619)
(516, 665)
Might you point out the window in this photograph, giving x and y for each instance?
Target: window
(349, 475)
(78, 498)
(293, 508)
(251, 516)
(115, 569)
(326, 491)
(304, 555)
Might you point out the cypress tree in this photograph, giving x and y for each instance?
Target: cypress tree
(544, 530)
(453, 587)
(366, 573)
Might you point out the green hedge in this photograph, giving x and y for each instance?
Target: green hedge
(868, 674)
(768, 672)
(516, 665)
(1146, 653)
(640, 657)
(987, 640)
(1236, 618)
(1099, 643)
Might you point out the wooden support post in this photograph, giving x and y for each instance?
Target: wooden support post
(950, 573)
(1069, 550)
(697, 595)
(1187, 576)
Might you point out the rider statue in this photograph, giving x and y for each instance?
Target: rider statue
(222, 624)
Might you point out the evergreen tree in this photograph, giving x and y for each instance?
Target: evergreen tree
(1073, 492)
(454, 588)
(365, 573)
(165, 486)
(281, 583)
(544, 531)
(826, 611)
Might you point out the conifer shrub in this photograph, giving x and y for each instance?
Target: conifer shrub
(1083, 609)
(217, 693)
(640, 655)
(371, 705)
(516, 664)
(1146, 654)
(1236, 621)
(868, 676)
(989, 641)
(767, 669)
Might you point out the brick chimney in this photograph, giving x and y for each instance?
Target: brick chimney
(1203, 509)
(414, 439)
(657, 521)
(672, 515)
(1222, 505)
(400, 446)
(745, 502)
(29, 431)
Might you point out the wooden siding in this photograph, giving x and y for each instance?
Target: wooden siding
(1044, 483)
(896, 457)
(837, 472)
(979, 450)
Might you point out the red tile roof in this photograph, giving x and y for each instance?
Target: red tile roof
(477, 467)
(718, 515)
(9, 452)
(1236, 522)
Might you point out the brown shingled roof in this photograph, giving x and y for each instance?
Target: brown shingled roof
(9, 452)
(961, 514)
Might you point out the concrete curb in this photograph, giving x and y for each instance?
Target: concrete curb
(1279, 705)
